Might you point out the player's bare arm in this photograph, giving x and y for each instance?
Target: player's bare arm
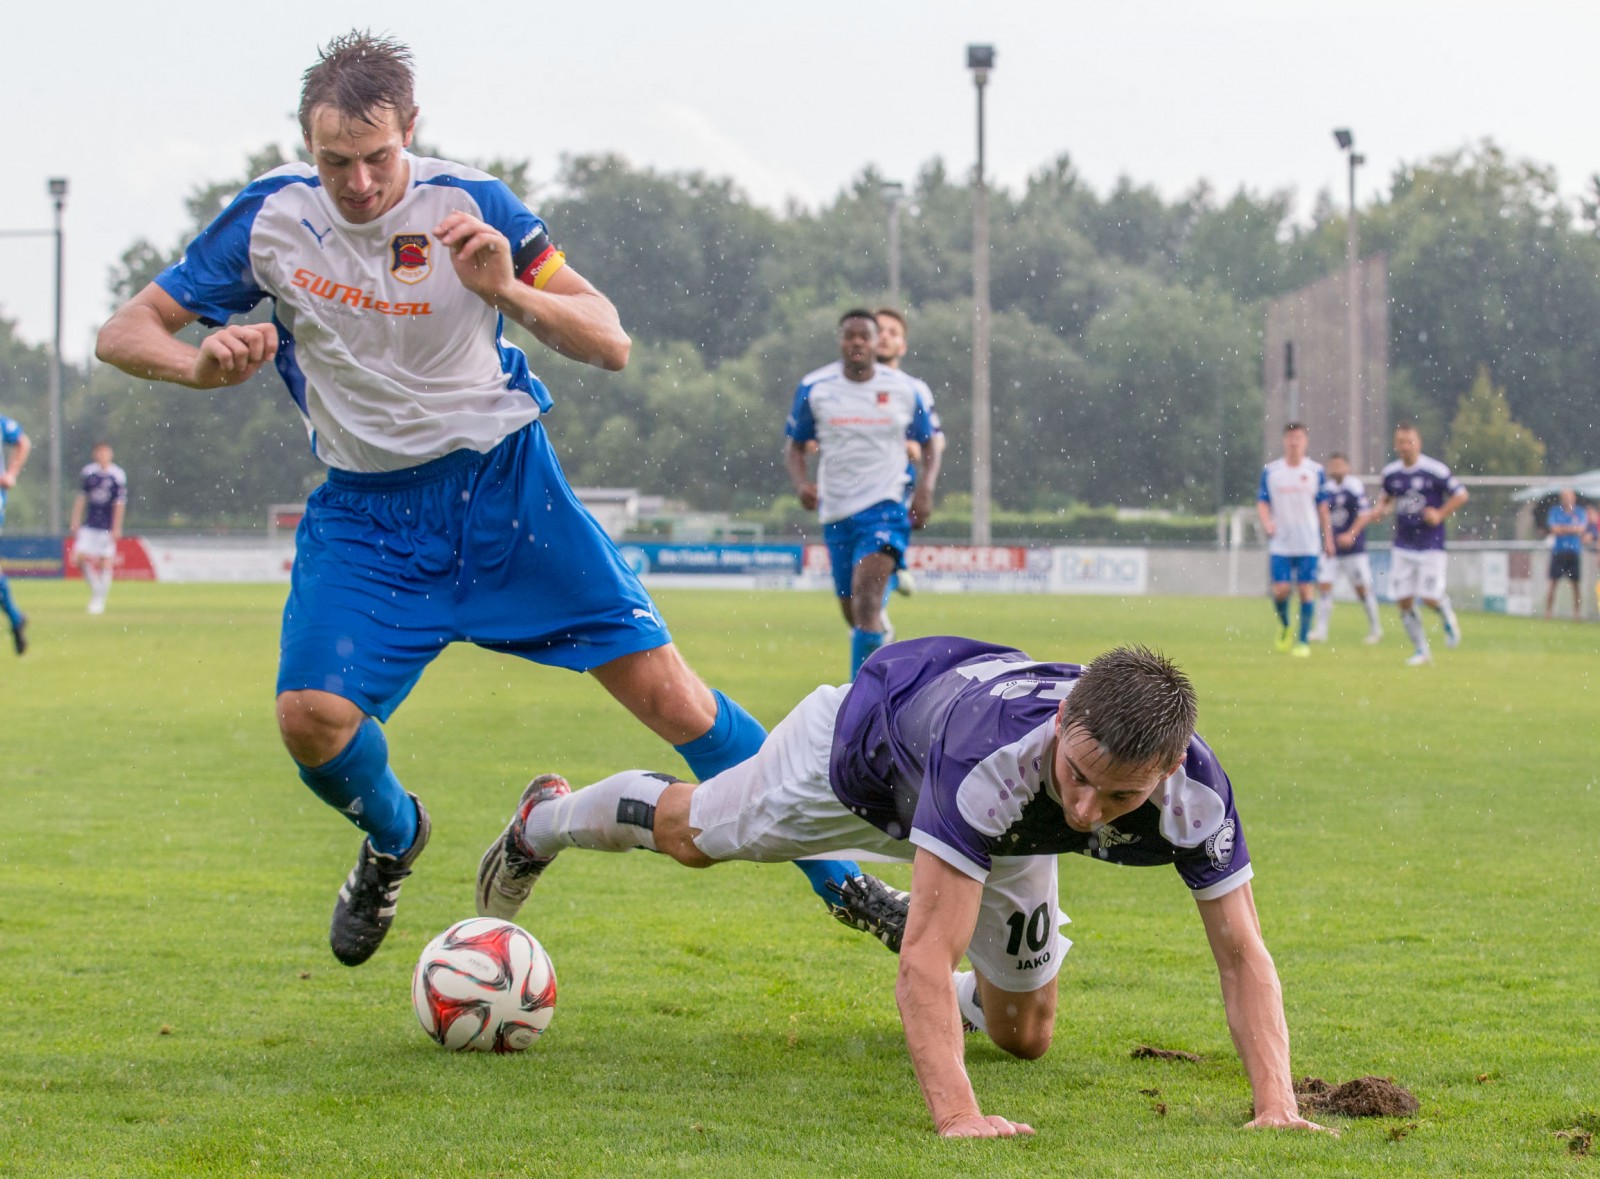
(944, 911)
(79, 504)
(927, 480)
(1253, 1000)
(1326, 520)
(19, 459)
(568, 314)
(1264, 514)
(117, 512)
(794, 461)
(141, 340)
(1439, 515)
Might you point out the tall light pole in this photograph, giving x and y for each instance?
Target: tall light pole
(58, 194)
(894, 195)
(1354, 320)
(980, 60)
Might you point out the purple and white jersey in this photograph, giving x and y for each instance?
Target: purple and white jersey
(103, 489)
(861, 429)
(1347, 499)
(946, 742)
(1427, 485)
(391, 360)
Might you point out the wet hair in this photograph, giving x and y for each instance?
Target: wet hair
(890, 313)
(1338, 454)
(1137, 705)
(859, 313)
(1293, 426)
(358, 74)
(1406, 424)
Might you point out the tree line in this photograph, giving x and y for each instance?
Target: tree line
(1126, 334)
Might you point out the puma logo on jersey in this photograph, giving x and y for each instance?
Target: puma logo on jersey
(314, 233)
(637, 613)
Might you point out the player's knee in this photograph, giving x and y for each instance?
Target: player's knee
(1025, 1041)
(315, 726)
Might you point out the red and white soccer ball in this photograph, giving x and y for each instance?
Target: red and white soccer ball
(484, 985)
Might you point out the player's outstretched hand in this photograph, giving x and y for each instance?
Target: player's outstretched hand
(1288, 1122)
(983, 1126)
(480, 253)
(808, 496)
(232, 355)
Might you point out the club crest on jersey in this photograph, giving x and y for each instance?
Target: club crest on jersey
(1220, 846)
(409, 259)
(883, 397)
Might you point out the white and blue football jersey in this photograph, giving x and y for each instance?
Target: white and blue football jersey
(861, 429)
(11, 433)
(1293, 494)
(389, 358)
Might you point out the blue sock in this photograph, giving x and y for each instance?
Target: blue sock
(733, 737)
(6, 603)
(1305, 620)
(862, 644)
(360, 784)
(819, 872)
(1281, 605)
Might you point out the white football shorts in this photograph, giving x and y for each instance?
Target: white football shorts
(94, 542)
(1417, 573)
(780, 806)
(1356, 567)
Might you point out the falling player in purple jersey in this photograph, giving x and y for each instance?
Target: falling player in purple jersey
(96, 523)
(445, 517)
(1349, 510)
(1423, 494)
(15, 446)
(983, 766)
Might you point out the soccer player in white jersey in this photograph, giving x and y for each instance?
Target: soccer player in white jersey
(1349, 511)
(96, 523)
(1292, 503)
(860, 414)
(982, 766)
(445, 517)
(15, 446)
(1423, 494)
(892, 345)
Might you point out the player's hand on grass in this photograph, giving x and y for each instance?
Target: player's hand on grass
(1288, 1121)
(234, 354)
(480, 253)
(983, 1126)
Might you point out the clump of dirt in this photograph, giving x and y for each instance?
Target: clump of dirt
(1145, 1052)
(1579, 1141)
(1364, 1097)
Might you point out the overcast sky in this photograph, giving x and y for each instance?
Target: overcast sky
(139, 103)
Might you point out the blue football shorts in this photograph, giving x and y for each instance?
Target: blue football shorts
(492, 549)
(1286, 569)
(883, 528)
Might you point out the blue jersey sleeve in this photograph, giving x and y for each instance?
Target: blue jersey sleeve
(923, 426)
(1263, 492)
(214, 279)
(10, 431)
(500, 207)
(801, 426)
(1324, 488)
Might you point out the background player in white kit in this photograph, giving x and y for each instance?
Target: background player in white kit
(97, 513)
(891, 350)
(1423, 494)
(1292, 504)
(983, 765)
(860, 414)
(1349, 511)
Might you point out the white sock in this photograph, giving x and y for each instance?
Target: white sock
(1325, 610)
(967, 999)
(615, 814)
(1448, 613)
(1413, 624)
(1370, 602)
(93, 577)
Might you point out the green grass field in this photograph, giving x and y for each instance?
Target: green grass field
(1427, 874)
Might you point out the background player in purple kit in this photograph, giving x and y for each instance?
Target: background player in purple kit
(1422, 493)
(15, 445)
(860, 414)
(446, 516)
(97, 514)
(1349, 509)
(984, 765)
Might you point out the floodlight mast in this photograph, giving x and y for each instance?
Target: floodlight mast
(1355, 320)
(58, 195)
(980, 60)
(894, 195)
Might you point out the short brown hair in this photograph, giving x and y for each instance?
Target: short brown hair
(358, 74)
(1137, 705)
(891, 313)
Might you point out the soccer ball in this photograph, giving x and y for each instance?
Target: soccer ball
(484, 985)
